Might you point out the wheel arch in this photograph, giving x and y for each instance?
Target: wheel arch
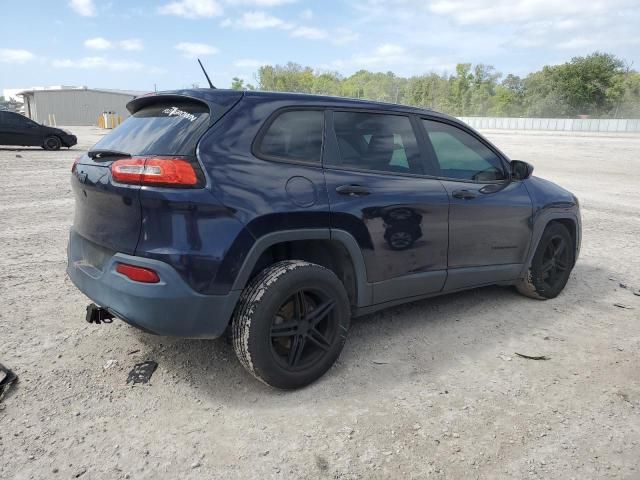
(333, 249)
(570, 220)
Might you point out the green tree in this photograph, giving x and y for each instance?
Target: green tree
(597, 85)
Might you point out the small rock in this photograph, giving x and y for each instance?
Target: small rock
(417, 426)
(109, 364)
(195, 465)
(55, 470)
(456, 435)
(386, 453)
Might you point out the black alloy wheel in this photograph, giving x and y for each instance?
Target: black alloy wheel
(555, 261)
(291, 323)
(303, 329)
(551, 264)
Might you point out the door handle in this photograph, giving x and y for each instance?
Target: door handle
(464, 194)
(353, 190)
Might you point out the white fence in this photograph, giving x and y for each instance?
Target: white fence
(555, 124)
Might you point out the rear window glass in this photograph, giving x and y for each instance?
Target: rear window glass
(294, 135)
(161, 129)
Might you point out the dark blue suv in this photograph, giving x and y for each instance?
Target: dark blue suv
(277, 217)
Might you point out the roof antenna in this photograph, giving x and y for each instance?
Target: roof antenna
(205, 74)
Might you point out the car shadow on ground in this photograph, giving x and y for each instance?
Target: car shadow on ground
(398, 345)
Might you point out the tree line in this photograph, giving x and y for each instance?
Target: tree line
(599, 85)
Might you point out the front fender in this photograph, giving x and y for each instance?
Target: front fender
(551, 202)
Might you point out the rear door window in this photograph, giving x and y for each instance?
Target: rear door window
(294, 135)
(374, 141)
(160, 129)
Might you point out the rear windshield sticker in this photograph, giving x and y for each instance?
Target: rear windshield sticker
(175, 111)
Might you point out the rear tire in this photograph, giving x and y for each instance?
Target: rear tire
(551, 264)
(52, 143)
(291, 323)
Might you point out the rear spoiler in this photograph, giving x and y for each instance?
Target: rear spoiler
(218, 101)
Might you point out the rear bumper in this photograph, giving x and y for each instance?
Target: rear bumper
(170, 307)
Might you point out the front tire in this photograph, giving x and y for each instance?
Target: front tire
(52, 143)
(291, 323)
(551, 264)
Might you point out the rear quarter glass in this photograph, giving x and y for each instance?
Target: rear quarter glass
(166, 128)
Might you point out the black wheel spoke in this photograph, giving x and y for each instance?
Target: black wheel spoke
(300, 304)
(295, 353)
(319, 339)
(547, 266)
(559, 249)
(286, 329)
(320, 312)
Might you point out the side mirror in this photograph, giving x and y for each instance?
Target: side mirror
(520, 170)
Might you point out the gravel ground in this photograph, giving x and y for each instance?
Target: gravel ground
(428, 390)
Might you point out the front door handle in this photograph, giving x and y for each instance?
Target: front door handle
(353, 190)
(464, 194)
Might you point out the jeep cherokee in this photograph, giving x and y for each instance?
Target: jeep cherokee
(277, 217)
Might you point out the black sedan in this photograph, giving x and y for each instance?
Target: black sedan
(16, 129)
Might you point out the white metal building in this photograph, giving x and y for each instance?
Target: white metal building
(75, 106)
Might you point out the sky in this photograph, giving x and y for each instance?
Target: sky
(142, 44)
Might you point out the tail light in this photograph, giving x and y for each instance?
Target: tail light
(137, 274)
(75, 164)
(159, 171)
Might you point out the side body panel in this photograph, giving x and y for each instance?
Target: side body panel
(263, 196)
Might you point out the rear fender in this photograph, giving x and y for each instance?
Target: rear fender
(363, 288)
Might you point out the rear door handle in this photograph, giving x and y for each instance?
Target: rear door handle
(464, 194)
(353, 190)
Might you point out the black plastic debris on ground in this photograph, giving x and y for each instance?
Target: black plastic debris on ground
(7, 378)
(141, 372)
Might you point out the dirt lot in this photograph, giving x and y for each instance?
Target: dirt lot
(428, 390)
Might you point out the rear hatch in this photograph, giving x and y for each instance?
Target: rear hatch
(108, 212)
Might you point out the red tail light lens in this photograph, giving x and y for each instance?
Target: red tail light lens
(75, 164)
(137, 274)
(161, 171)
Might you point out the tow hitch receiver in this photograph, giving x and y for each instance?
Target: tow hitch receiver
(98, 315)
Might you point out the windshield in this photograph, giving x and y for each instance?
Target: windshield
(168, 128)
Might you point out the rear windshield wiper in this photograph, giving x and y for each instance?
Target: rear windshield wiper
(102, 153)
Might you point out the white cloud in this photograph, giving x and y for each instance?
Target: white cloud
(257, 20)
(98, 43)
(391, 56)
(249, 63)
(194, 50)
(260, 3)
(86, 8)
(490, 12)
(309, 32)
(385, 54)
(88, 63)
(101, 43)
(389, 49)
(10, 55)
(192, 8)
(131, 44)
